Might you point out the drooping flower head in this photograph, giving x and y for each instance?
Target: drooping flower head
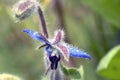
(54, 47)
(57, 47)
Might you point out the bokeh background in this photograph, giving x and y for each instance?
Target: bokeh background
(91, 25)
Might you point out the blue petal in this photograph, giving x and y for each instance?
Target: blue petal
(74, 52)
(35, 35)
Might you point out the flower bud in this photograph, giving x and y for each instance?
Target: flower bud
(24, 9)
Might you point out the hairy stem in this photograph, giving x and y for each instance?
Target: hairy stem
(43, 23)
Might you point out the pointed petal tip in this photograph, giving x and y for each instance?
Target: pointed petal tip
(83, 55)
(32, 34)
(25, 30)
(87, 56)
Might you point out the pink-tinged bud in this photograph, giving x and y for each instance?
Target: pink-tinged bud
(24, 9)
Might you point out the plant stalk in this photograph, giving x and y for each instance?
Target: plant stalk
(43, 23)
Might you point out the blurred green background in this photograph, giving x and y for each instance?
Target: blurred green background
(91, 25)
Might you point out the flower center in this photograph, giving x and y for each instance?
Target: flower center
(54, 61)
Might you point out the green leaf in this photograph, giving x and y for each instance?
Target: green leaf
(81, 71)
(74, 73)
(109, 9)
(109, 65)
(71, 72)
(9, 77)
(45, 78)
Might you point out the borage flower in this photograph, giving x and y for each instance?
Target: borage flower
(57, 46)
